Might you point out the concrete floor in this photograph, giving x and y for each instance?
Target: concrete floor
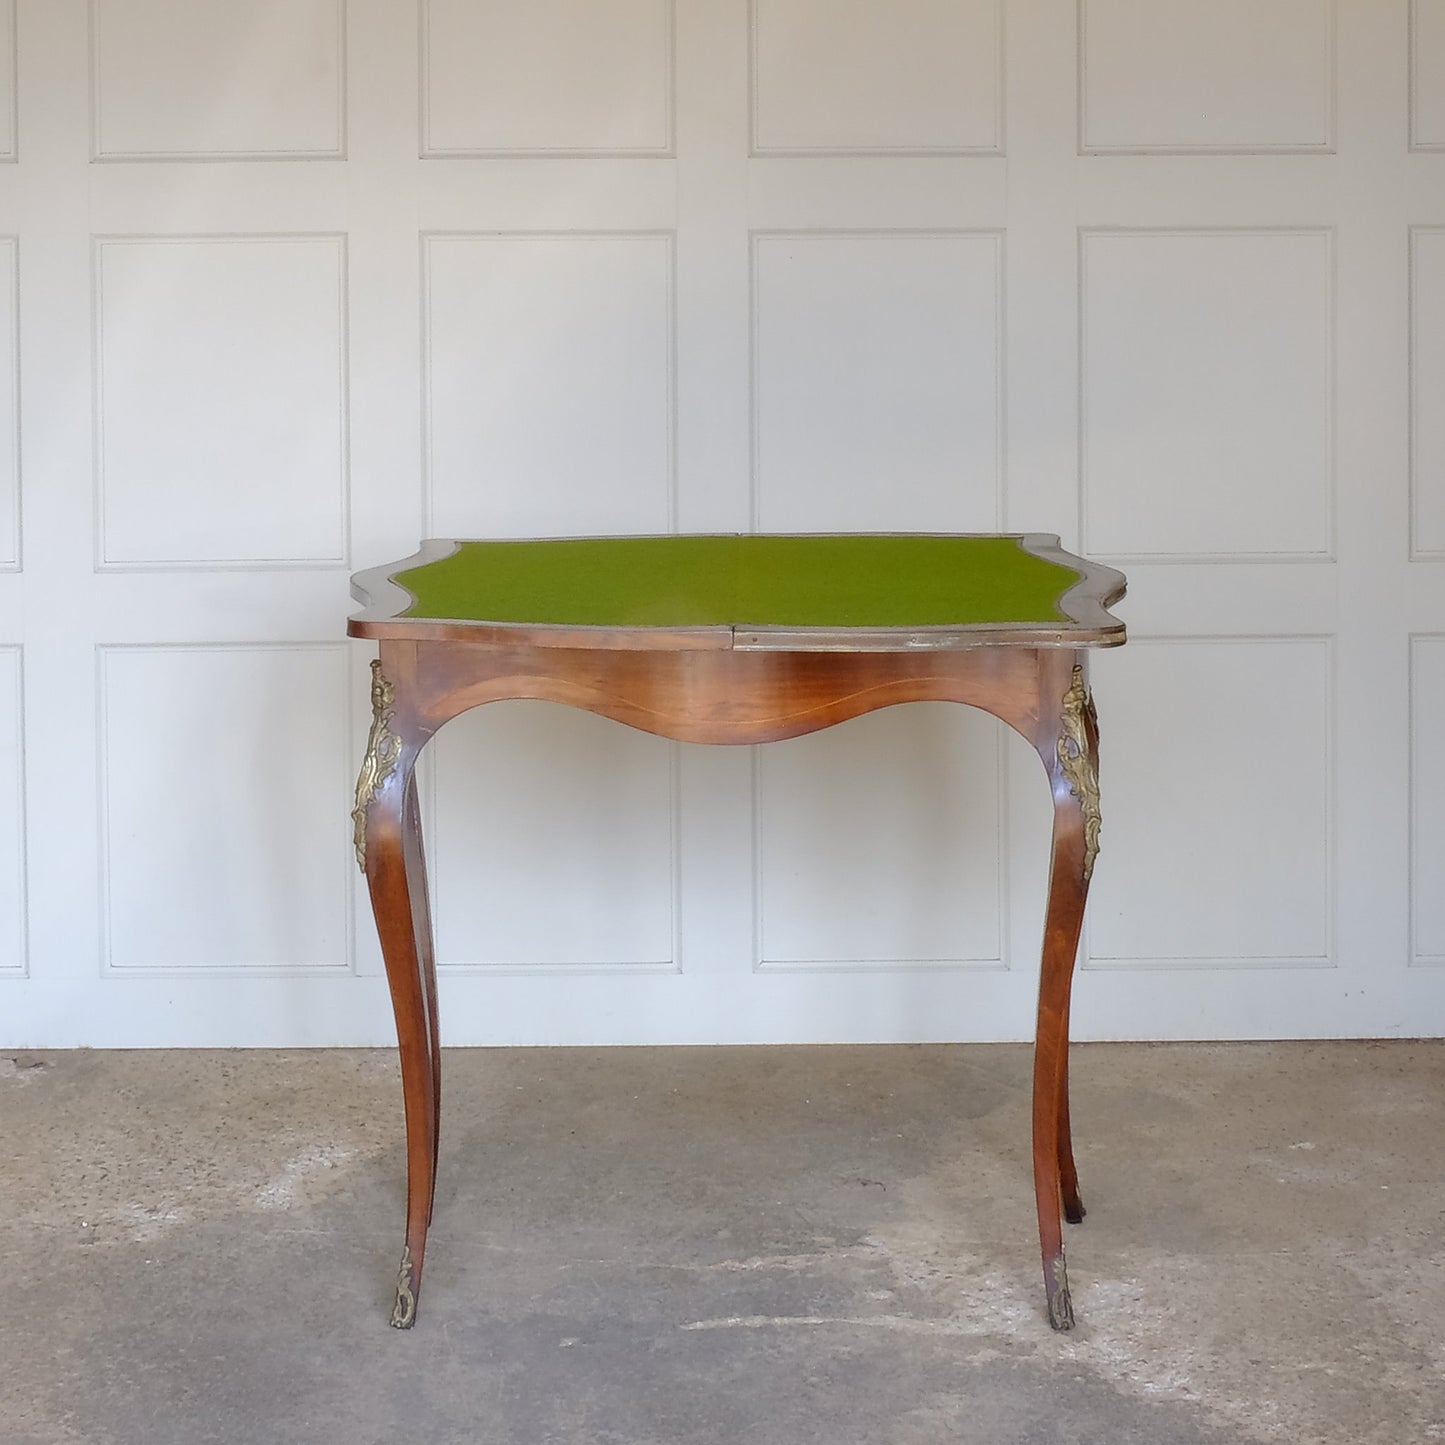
(771, 1246)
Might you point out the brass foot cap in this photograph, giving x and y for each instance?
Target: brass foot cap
(403, 1312)
(1061, 1305)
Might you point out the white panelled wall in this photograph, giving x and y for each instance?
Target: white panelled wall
(286, 285)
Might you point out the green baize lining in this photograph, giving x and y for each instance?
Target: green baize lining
(742, 581)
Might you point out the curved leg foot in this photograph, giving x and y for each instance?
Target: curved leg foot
(1074, 1211)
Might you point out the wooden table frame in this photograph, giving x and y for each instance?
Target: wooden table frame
(742, 687)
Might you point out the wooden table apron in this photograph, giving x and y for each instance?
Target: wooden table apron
(720, 695)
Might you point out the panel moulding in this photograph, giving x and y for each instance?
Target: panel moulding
(1418, 958)
(992, 963)
(572, 966)
(1419, 140)
(1326, 145)
(12, 659)
(428, 238)
(345, 765)
(10, 29)
(994, 149)
(1293, 557)
(665, 149)
(758, 237)
(10, 258)
(340, 558)
(100, 154)
(1243, 962)
(1419, 553)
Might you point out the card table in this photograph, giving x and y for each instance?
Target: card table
(731, 639)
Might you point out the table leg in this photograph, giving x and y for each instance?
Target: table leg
(1072, 764)
(389, 850)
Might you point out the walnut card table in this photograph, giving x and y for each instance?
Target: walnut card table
(731, 639)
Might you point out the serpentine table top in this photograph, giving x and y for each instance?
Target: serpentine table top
(746, 592)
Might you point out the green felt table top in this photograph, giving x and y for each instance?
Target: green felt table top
(764, 581)
(834, 582)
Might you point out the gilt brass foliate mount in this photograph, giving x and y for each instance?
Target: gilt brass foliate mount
(383, 751)
(403, 1312)
(1079, 763)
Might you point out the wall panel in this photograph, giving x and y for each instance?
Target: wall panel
(14, 900)
(1218, 805)
(221, 400)
(1427, 74)
(11, 543)
(233, 79)
(1427, 788)
(9, 83)
(880, 843)
(872, 77)
(287, 285)
(552, 77)
(553, 841)
(1232, 75)
(877, 381)
(1427, 386)
(224, 787)
(549, 383)
(1206, 399)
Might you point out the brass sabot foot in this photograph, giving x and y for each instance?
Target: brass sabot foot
(1061, 1305)
(403, 1312)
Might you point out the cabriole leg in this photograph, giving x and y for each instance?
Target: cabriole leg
(389, 852)
(1072, 764)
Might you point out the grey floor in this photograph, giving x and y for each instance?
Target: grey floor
(660, 1247)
